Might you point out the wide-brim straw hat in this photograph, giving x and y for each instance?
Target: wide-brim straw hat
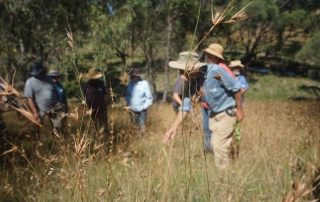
(93, 73)
(53, 73)
(185, 57)
(236, 63)
(37, 68)
(216, 50)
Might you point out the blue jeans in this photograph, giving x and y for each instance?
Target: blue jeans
(205, 120)
(139, 119)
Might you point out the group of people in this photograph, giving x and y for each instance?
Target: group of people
(220, 89)
(46, 97)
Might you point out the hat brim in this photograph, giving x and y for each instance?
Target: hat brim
(96, 76)
(212, 52)
(54, 74)
(36, 73)
(239, 65)
(139, 75)
(182, 65)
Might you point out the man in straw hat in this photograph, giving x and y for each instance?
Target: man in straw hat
(138, 99)
(97, 99)
(186, 59)
(217, 50)
(223, 96)
(41, 96)
(62, 118)
(236, 67)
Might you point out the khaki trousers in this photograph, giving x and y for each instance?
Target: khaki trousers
(222, 127)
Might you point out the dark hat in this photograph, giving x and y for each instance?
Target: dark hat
(54, 73)
(37, 68)
(135, 72)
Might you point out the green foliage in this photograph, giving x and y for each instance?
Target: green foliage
(310, 51)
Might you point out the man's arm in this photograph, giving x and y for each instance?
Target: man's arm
(169, 135)
(177, 98)
(33, 109)
(182, 113)
(238, 98)
(148, 95)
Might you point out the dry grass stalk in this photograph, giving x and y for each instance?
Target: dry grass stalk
(112, 118)
(81, 146)
(27, 113)
(219, 17)
(75, 114)
(300, 188)
(13, 149)
(124, 78)
(8, 89)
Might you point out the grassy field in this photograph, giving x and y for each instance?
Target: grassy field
(280, 143)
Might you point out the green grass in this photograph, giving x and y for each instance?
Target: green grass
(273, 87)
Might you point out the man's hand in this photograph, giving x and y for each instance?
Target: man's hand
(36, 116)
(239, 115)
(169, 135)
(127, 108)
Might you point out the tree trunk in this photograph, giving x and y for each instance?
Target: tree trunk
(166, 73)
(148, 52)
(123, 56)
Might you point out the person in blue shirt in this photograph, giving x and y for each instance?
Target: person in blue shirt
(138, 99)
(55, 75)
(223, 96)
(236, 67)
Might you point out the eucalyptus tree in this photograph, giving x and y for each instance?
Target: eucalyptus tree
(174, 11)
(35, 30)
(309, 53)
(273, 28)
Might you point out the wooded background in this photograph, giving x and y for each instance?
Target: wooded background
(115, 35)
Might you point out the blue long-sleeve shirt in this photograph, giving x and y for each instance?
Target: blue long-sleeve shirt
(138, 96)
(244, 84)
(219, 91)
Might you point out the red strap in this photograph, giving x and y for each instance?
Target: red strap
(205, 105)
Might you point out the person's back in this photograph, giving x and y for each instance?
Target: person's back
(95, 94)
(42, 92)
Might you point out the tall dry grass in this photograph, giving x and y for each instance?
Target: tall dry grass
(280, 143)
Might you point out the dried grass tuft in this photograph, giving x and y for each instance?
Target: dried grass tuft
(124, 78)
(300, 188)
(27, 113)
(8, 89)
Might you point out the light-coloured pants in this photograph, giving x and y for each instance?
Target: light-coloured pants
(222, 127)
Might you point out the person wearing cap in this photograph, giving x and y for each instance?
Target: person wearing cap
(97, 98)
(236, 67)
(223, 96)
(41, 96)
(55, 75)
(138, 99)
